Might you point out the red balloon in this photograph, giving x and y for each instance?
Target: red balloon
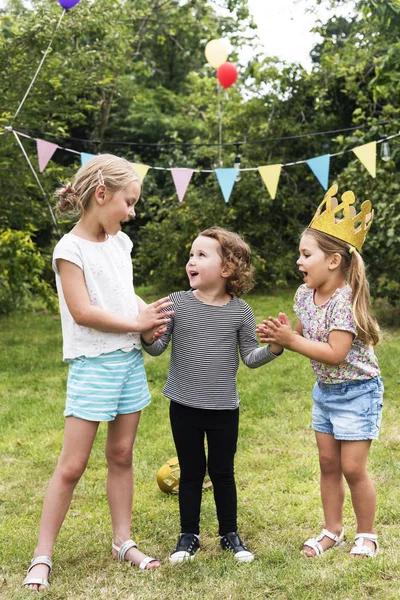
(227, 74)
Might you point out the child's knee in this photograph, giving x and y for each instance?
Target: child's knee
(354, 472)
(329, 465)
(193, 475)
(221, 476)
(119, 455)
(71, 472)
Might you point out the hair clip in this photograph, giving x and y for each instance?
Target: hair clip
(100, 177)
(351, 249)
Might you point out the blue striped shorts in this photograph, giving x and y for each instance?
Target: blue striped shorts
(100, 388)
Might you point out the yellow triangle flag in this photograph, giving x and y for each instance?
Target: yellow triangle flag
(141, 170)
(270, 176)
(367, 155)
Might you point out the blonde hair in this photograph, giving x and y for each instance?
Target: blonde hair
(114, 172)
(354, 272)
(236, 256)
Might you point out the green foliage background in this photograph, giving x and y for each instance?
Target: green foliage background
(134, 72)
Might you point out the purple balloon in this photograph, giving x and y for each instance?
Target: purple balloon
(67, 4)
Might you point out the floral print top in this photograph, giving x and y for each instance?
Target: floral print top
(318, 321)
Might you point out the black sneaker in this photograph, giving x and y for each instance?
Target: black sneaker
(187, 546)
(232, 542)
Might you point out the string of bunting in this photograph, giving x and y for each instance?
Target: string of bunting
(236, 144)
(216, 53)
(226, 177)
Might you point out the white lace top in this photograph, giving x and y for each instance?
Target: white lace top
(107, 268)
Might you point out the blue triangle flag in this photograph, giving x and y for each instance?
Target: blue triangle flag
(85, 157)
(320, 167)
(226, 179)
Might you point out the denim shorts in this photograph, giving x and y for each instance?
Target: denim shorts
(351, 410)
(105, 386)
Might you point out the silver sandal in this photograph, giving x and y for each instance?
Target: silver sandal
(39, 560)
(123, 549)
(314, 543)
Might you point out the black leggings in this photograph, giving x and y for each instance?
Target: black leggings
(189, 425)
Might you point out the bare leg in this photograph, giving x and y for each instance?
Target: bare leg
(78, 440)
(332, 487)
(120, 439)
(363, 496)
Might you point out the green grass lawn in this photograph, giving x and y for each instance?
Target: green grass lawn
(277, 478)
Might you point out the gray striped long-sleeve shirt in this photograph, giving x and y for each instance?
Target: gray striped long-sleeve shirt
(204, 356)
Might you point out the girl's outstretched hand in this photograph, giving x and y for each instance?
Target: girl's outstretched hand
(284, 319)
(159, 332)
(152, 335)
(155, 315)
(278, 331)
(264, 332)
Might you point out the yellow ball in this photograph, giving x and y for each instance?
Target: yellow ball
(168, 476)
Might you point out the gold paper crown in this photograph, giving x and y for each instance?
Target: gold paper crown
(341, 220)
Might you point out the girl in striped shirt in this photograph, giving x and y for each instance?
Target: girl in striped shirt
(211, 325)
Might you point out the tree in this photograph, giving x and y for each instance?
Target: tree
(358, 60)
(130, 77)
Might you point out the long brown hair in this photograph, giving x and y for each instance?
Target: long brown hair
(354, 272)
(236, 255)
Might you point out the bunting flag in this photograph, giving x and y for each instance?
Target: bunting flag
(226, 179)
(181, 179)
(270, 175)
(45, 151)
(140, 169)
(320, 167)
(85, 157)
(367, 155)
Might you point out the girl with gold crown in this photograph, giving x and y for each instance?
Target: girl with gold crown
(336, 331)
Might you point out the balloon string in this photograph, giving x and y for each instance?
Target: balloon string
(38, 182)
(39, 67)
(219, 125)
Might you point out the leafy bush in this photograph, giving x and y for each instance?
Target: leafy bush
(21, 269)
(382, 246)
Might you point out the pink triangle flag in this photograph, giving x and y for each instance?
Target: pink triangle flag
(45, 151)
(181, 179)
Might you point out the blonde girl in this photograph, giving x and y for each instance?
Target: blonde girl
(101, 319)
(336, 331)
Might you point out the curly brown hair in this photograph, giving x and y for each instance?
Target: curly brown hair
(236, 256)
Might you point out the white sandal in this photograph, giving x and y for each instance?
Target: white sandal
(124, 549)
(39, 560)
(360, 550)
(314, 543)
